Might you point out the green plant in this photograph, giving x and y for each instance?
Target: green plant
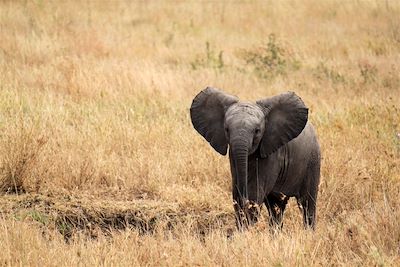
(211, 59)
(323, 72)
(368, 71)
(39, 217)
(270, 60)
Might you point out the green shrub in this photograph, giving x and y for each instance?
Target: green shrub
(323, 72)
(368, 72)
(211, 59)
(270, 60)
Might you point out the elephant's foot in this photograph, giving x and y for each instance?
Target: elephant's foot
(246, 214)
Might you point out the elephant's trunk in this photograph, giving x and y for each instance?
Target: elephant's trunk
(240, 156)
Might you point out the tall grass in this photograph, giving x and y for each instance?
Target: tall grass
(94, 100)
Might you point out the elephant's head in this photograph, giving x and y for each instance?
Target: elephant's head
(267, 124)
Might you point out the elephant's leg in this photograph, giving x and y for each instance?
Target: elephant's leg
(246, 214)
(252, 211)
(239, 206)
(308, 206)
(309, 194)
(276, 205)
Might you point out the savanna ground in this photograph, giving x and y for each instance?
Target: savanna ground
(100, 164)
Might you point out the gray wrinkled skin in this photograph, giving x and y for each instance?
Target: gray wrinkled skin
(273, 151)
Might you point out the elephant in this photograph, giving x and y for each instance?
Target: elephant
(274, 153)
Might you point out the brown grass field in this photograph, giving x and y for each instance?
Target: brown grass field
(99, 162)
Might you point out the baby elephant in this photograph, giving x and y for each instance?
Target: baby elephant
(273, 151)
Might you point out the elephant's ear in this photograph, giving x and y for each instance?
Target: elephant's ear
(285, 118)
(208, 112)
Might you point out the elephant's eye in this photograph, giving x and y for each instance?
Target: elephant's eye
(257, 130)
(227, 130)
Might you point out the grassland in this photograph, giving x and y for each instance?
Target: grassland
(99, 163)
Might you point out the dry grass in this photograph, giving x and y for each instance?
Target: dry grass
(96, 145)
